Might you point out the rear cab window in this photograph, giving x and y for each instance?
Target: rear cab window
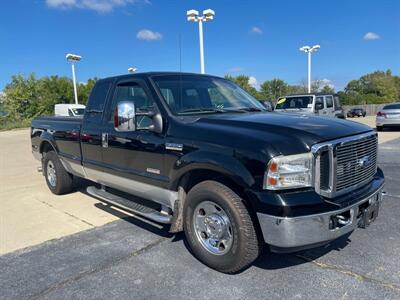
(97, 101)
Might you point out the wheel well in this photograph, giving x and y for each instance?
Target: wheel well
(190, 179)
(46, 147)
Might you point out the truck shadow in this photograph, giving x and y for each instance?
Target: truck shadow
(273, 261)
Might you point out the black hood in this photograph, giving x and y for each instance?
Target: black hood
(285, 132)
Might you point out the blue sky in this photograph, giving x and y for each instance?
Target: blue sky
(256, 38)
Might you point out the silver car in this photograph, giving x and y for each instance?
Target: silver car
(389, 116)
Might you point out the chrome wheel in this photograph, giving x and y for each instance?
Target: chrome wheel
(213, 228)
(51, 173)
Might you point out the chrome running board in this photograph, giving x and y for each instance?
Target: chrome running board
(130, 206)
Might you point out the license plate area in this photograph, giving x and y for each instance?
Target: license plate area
(368, 212)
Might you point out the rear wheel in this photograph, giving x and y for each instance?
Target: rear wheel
(58, 179)
(219, 229)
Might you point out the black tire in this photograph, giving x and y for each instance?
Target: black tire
(379, 128)
(64, 181)
(245, 246)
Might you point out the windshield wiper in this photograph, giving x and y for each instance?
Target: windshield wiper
(250, 109)
(202, 110)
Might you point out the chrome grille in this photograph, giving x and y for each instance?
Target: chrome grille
(355, 162)
(343, 165)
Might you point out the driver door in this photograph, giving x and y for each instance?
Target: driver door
(138, 155)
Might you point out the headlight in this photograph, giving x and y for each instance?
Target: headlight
(287, 172)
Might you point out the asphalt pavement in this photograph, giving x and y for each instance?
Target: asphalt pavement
(130, 258)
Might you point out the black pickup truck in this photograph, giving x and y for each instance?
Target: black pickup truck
(199, 153)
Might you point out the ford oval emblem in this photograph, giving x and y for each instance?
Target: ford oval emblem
(365, 161)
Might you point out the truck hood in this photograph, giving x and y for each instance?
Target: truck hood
(299, 131)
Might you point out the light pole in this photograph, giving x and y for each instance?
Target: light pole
(73, 58)
(193, 16)
(309, 50)
(132, 70)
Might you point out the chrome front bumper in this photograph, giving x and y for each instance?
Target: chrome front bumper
(299, 232)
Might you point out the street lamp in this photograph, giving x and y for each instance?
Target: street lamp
(73, 58)
(193, 16)
(309, 50)
(132, 70)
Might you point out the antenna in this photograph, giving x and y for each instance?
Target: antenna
(180, 53)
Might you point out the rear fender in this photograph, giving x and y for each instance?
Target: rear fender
(47, 138)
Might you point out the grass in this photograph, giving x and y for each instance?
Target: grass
(8, 125)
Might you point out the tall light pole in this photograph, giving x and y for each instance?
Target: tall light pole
(309, 50)
(73, 58)
(193, 16)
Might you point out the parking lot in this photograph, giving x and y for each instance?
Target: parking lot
(73, 246)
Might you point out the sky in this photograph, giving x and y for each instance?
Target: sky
(260, 39)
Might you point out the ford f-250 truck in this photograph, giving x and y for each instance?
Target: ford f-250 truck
(199, 153)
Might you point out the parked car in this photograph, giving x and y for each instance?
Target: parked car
(72, 110)
(268, 104)
(326, 105)
(389, 116)
(356, 112)
(207, 158)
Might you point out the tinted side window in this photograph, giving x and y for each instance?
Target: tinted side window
(329, 101)
(337, 103)
(319, 100)
(133, 92)
(98, 95)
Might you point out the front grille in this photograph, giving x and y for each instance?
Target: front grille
(344, 164)
(356, 163)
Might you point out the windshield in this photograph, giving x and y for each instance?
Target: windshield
(299, 102)
(186, 94)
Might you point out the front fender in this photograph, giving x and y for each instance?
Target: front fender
(204, 160)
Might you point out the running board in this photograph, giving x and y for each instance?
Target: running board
(130, 206)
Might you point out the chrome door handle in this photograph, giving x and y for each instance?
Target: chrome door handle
(104, 140)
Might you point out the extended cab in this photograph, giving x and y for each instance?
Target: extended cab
(204, 156)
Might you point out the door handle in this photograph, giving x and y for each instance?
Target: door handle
(104, 140)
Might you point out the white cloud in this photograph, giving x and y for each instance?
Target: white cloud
(254, 82)
(256, 30)
(148, 35)
(100, 6)
(371, 36)
(235, 69)
(327, 82)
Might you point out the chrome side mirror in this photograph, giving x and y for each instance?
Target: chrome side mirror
(125, 117)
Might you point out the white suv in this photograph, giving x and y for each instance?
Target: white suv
(326, 105)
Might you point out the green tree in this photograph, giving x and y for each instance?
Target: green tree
(243, 82)
(376, 87)
(273, 89)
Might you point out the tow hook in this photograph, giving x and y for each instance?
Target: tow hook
(340, 220)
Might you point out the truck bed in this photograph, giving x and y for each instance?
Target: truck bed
(62, 133)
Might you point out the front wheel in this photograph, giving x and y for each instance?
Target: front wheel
(219, 228)
(379, 128)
